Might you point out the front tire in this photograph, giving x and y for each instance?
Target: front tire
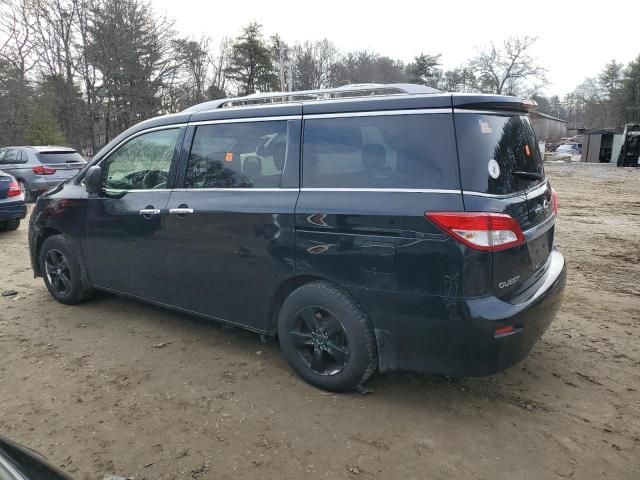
(326, 337)
(62, 273)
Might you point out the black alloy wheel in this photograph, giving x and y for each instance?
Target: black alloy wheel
(320, 340)
(57, 271)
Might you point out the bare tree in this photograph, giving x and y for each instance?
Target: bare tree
(509, 69)
(280, 54)
(55, 37)
(17, 59)
(312, 64)
(16, 26)
(220, 63)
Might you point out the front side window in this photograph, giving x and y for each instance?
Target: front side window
(142, 163)
(387, 151)
(237, 155)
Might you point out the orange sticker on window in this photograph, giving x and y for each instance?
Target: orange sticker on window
(228, 157)
(527, 150)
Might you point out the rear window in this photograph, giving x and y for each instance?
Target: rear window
(492, 147)
(60, 157)
(387, 151)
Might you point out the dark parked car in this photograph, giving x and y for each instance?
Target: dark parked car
(12, 204)
(37, 169)
(21, 463)
(371, 227)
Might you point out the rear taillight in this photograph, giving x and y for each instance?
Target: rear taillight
(480, 230)
(42, 170)
(554, 199)
(14, 189)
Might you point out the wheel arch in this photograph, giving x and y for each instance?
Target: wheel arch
(43, 234)
(282, 292)
(291, 284)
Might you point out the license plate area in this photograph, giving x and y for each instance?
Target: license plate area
(540, 249)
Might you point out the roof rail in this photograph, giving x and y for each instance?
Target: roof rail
(345, 91)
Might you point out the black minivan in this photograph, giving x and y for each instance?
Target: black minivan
(370, 227)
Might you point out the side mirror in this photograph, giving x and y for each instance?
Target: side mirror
(93, 179)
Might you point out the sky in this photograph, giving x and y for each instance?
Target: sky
(574, 40)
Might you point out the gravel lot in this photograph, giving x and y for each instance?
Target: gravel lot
(119, 387)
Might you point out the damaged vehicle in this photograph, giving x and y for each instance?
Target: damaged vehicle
(370, 227)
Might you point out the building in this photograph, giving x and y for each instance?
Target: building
(601, 146)
(548, 129)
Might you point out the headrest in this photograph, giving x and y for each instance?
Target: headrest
(374, 156)
(252, 167)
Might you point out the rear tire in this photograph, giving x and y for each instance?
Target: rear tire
(11, 225)
(326, 337)
(62, 272)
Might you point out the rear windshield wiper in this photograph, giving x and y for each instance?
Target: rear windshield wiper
(529, 175)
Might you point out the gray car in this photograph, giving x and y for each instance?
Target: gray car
(38, 169)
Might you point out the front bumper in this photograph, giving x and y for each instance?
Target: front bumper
(458, 336)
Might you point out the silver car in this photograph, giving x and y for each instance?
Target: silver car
(38, 169)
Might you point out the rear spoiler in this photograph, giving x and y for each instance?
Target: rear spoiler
(492, 102)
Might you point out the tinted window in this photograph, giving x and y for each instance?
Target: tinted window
(391, 151)
(60, 157)
(237, 155)
(492, 147)
(141, 163)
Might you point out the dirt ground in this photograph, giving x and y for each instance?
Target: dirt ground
(88, 386)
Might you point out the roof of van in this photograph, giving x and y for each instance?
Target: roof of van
(363, 97)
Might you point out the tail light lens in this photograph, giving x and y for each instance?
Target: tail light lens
(42, 170)
(480, 230)
(14, 189)
(554, 197)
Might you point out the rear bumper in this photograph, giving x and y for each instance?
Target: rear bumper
(14, 211)
(458, 336)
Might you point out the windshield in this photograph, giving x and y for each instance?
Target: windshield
(493, 148)
(60, 157)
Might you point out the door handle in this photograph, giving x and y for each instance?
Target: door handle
(150, 211)
(180, 211)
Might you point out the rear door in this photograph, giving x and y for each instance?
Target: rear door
(502, 171)
(230, 223)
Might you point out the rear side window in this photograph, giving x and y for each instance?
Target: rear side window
(60, 157)
(386, 151)
(492, 147)
(9, 156)
(237, 155)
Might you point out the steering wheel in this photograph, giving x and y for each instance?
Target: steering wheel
(155, 179)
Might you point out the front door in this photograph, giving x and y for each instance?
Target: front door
(231, 223)
(126, 243)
